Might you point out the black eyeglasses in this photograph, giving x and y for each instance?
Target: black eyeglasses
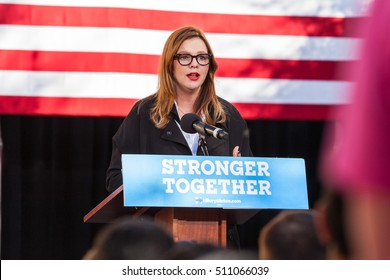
(186, 59)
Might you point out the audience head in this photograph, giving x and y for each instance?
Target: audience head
(331, 224)
(131, 239)
(190, 250)
(291, 235)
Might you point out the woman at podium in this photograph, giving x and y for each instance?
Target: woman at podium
(185, 86)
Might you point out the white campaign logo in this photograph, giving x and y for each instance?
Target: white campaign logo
(242, 177)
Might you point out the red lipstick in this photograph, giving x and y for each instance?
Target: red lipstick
(193, 76)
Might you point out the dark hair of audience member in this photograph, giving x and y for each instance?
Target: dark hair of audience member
(192, 250)
(291, 235)
(131, 239)
(331, 224)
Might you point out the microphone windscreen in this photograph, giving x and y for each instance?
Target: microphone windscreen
(187, 121)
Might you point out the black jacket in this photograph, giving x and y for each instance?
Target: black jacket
(138, 135)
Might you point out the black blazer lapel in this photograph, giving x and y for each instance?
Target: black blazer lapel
(173, 133)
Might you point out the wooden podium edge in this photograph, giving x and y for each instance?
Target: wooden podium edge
(111, 208)
(92, 216)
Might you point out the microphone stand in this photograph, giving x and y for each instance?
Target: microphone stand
(203, 145)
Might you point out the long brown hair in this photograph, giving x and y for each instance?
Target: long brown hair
(207, 104)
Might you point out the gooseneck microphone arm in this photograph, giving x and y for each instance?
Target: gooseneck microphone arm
(203, 144)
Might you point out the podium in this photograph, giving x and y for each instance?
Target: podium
(198, 197)
(204, 225)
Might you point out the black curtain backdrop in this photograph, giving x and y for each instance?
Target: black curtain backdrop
(54, 173)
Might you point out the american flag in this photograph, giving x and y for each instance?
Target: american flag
(278, 59)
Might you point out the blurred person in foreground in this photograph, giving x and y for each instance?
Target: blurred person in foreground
(356, 155)
(190, 250)
(291, 235)
(331, 226)
(131, 239)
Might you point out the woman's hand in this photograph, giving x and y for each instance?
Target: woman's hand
(236, 151)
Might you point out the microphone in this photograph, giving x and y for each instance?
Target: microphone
(192, 123)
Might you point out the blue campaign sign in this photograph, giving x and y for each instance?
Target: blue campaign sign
(214, 182)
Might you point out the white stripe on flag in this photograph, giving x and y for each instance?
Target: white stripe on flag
(121, 40)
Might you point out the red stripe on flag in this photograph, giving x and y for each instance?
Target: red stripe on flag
(148, 64)
(253, 111)
(59, 106)
(280, 69)
(119, 107)
(168, 20)
(78, 61)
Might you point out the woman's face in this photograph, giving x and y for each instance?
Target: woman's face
(189, 79)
